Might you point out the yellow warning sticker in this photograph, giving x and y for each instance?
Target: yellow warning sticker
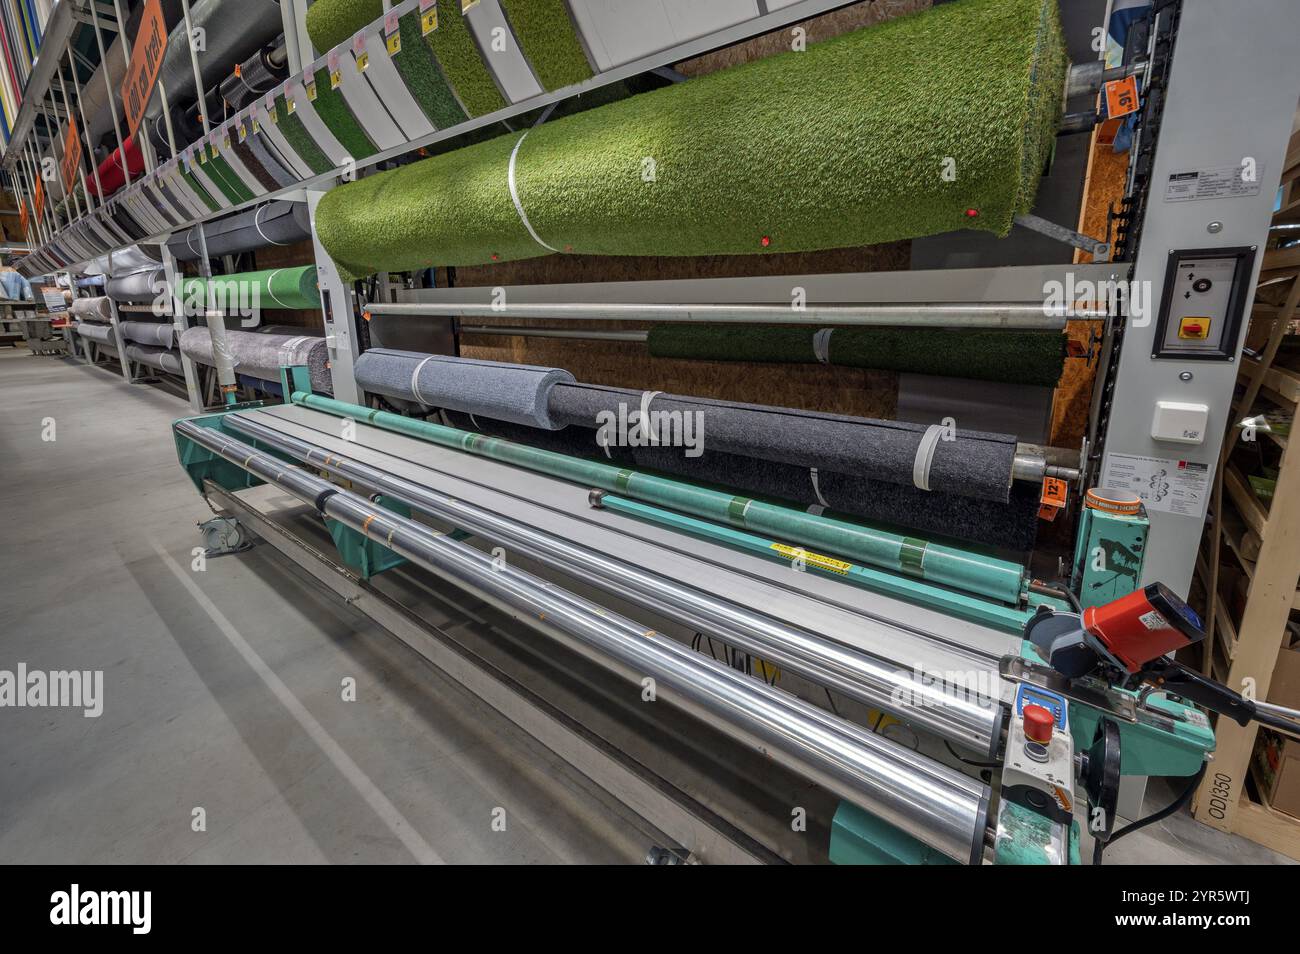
(813, 559)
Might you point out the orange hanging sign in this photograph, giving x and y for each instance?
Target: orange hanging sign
(71, 155)
(146, 60)
(1121, 97)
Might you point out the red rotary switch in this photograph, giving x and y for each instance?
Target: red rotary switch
(1038, 724)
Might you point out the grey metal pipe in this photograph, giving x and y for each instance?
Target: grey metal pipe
(941, 808)
(958, 717)
(1022, 315)
(592, 335)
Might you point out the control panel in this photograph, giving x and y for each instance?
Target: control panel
(1204, 303)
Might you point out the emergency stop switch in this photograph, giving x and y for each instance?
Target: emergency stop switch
(1039, 723)
(1194, 329)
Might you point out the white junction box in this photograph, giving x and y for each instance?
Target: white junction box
(1179, 422)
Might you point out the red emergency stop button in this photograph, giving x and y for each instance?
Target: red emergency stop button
(1038, 724)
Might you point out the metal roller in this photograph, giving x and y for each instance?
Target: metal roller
(958, 717)
(941, 808)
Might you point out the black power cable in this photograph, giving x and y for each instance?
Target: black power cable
(1176, 805)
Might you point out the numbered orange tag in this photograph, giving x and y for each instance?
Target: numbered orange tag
(1121, 97)
(1053, 500)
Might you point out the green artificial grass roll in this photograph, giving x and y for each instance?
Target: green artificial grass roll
(423, 76)
(331, 22)
(1010, 356)
(275, 288)
(197, 188)
(222, 176)
(462, 63)
(549, 41)
(842, 145)
(334, 111)
(295, 132)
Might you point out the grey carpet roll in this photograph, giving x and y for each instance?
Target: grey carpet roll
(973, 464)
(140, 287)
(1011, 526)
(101, 333)
(160, 358)
(275, 223)
(92, 309)
(262, 356)
(517, 393)
(158, 334)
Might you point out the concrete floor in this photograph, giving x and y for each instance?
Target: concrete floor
(223, 688)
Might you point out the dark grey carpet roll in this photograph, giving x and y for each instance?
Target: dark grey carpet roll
(973, 464)
(160, 358)
(159, 334)
(275, 223)
(262, 356)
(271, 162)
(140, 287)
(92, 309)
(508, 392)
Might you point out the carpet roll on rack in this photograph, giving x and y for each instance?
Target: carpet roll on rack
(275, 223)
(969, 464)
(95, 332)
(977, 83)
(142, 286)
(550, 43)
(331, 22)
(262, 356)
(163, 359)
(270, 288)
(92, 309)
(517, 393)
(158, 334)
(1004, 355)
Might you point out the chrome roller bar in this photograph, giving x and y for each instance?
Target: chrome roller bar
(960, 717)
(938, 806)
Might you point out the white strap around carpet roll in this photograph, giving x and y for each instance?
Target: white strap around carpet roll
(925, 455)
(822, 345)
(514, 188)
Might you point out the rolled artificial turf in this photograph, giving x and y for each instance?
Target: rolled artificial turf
(334, 111)
(273, 287)
(331, 22)
(423, 76)
(547, 36)
(845, 144)
(197, 188)
(462, 62)
(295, 132)
(1020, 357)
(226, 179)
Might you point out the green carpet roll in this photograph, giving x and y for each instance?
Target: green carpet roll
(842, 145)
(295, 132)
(334, 111)
(275, 288)
(1017, 357)
(549, 41)
(197, 188)
(423, 76)
(454, 46)
(331, 22)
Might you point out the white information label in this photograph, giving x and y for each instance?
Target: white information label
(1227, 182)
(1174, 486)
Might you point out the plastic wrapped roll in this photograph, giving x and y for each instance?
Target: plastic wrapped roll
(158, 334)
(103, 334)
(275, 223)
(160, 358)
(262, 356)
(92, 309)
(141, 287)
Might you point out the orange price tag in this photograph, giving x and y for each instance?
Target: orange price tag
(1121, 97)
(1053, 500)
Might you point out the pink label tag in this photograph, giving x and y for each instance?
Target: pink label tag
(390, 22)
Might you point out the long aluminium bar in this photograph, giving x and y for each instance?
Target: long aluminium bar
(875, 682)
(1020, 315)
(941, 808)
